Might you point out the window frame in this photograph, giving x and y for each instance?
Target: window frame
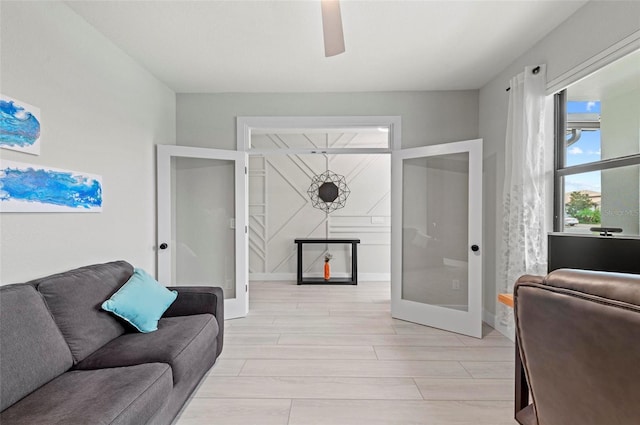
(561, 171)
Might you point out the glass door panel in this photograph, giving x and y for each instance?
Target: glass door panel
(435, 230)
(202, 221)
(203, 236)
(437, 235)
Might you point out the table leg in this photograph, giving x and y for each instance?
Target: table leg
(354, 263)
(299, 263)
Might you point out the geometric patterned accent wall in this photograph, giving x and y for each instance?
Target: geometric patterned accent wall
(280, 209)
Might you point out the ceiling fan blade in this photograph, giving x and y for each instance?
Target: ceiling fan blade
(332, 27)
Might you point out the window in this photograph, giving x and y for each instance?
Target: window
(597, 175)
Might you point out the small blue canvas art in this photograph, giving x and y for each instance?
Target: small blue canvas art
(19, 126)
(30, 188)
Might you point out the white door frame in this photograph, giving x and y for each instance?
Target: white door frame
(245, 125)
(464, 322)
(234, 307)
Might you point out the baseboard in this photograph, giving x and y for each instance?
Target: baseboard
(374, 277)
(272, 276)
(509, 333)
(362, 277)
(491, 320)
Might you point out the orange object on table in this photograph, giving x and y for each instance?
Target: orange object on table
(327, 271)
(506, 299)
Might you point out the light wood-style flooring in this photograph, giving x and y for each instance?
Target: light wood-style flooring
(332, 355)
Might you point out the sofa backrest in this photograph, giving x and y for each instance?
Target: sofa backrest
(32, 348)
(74, 298)
(579, 336)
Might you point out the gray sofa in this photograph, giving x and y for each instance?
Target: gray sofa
(65, 361)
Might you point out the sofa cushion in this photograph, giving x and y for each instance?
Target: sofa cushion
(141, 301)
(32, 349)
(128, 395)
(74, 298)
(179, 342)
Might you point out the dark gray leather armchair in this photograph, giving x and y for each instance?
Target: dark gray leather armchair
(579, 339)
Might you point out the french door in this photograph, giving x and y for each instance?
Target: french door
(202, 219)
(436, 210)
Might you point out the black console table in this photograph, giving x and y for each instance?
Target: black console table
(353, 280)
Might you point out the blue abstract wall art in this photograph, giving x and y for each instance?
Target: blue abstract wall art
(31, 188)
(19, 126)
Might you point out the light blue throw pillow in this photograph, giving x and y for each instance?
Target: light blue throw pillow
(141, 301)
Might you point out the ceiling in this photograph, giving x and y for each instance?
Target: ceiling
(277, 46)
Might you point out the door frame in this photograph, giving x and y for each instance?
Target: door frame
(245, 125)
(234, 307)
(469, 322)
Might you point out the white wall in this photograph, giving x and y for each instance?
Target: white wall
(592, 29)
(101, 113)
(208, 120)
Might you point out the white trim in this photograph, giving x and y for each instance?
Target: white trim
(442, 149)
(244, 126)
(167, 151)
(489, 318)
(328, 151)
(362, 277)
(465, 322)
(163, 198)
(234, 307)
(622, 48)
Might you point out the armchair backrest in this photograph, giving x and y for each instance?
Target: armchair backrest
(579, 336)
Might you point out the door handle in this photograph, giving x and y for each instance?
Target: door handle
(475, 248)
(163, 245)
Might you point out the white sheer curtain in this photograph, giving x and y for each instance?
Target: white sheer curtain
(524, 230)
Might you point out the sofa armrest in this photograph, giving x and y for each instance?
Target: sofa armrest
(199, 300)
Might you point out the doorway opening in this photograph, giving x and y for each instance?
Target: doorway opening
(280, 210)
(283, 160)
(434, 196)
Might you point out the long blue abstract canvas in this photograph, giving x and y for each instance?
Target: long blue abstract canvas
(19, 126)
(31, 188)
